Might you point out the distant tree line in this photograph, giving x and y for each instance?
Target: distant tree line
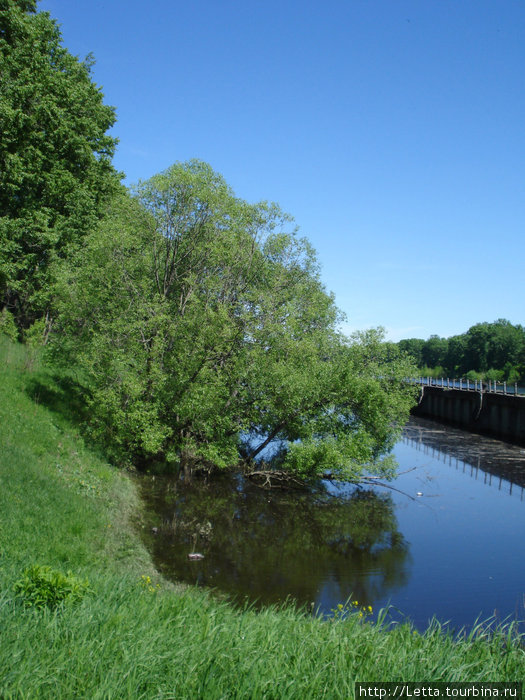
(486, 351)
(193, 325)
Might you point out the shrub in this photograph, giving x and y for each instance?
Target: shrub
(512, 373)
(7, 325)
(434, 372)
(42, 587)
(495, 375)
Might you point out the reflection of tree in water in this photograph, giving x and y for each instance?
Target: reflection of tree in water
(271, 545)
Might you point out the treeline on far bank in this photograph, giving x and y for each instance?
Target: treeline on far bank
(494, 351)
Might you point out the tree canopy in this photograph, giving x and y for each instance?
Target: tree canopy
(494, 350)
(55, 156)
(195, 322)
(204, 333)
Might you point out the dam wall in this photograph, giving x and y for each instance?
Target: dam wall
(499, 415)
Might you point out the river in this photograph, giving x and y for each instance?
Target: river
(445, 539)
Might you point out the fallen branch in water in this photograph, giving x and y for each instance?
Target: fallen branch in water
(368, 480)
(397, 474)
(275, 479)
(269, 479)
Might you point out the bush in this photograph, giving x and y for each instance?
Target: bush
(512, 374)
(42, 587)
(434, 372)
(36, 334)
(495, 375)
(7, 325)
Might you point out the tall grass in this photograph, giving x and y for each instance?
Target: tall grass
(129, 643)
(135, 636)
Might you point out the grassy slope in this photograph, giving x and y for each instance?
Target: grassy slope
(61, 505)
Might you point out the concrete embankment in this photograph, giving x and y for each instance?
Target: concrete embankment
(500, 415)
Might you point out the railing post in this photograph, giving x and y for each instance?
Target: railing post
(504, 387)
(460, 383)
(515, 388)
(467, 384)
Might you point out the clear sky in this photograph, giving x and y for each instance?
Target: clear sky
(392, 130)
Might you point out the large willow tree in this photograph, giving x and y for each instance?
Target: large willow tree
(204, 333)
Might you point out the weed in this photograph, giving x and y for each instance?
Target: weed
(43, 587)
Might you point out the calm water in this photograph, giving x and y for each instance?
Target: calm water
(455, 552)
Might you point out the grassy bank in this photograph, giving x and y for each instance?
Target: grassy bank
(133, 636)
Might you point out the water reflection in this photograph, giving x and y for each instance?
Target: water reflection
(498, 464)
(451, 549)
(314, 547)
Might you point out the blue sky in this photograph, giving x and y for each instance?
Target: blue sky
(392, 130)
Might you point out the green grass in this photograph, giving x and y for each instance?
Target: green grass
(132, 636)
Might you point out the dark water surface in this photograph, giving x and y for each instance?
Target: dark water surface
(455, 551)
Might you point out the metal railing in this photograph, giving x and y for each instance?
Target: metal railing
(490, 386)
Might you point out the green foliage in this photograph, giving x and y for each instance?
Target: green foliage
(55, 157)
(8, 325)
(454, 360)
(125, 642)
(511, 374)
(413, 347)
(434, 351)
(435, 372)
(43, 587)
(192, 318)
(491, 350)
(497, 375)
(196, 318)
(37, 333)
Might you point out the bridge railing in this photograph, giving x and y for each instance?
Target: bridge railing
(490, 386)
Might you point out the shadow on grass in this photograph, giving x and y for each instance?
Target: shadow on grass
(68, 399)
(61, 394)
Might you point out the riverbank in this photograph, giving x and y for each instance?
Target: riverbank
(132, 635)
